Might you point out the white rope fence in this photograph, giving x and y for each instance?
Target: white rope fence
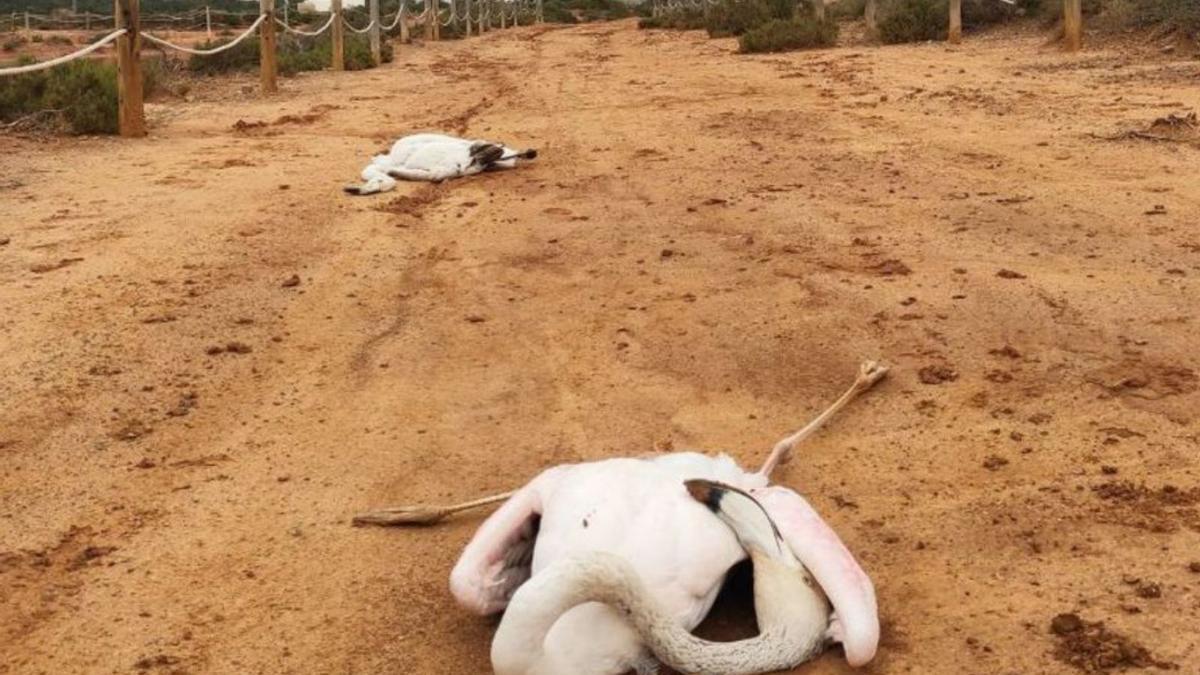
(357, 30)
(43, 65)
(208, 52)
(396, 21)
(307, 33)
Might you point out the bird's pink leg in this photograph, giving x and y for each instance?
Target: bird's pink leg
(869, 373)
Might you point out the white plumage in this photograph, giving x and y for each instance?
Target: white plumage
(435, 157)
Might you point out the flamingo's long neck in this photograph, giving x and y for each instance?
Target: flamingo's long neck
(601, 577)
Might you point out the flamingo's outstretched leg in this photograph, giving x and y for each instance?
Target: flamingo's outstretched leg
(869, 373)
(422, 515)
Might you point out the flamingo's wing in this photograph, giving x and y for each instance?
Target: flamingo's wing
(833, 566)
(498, 558)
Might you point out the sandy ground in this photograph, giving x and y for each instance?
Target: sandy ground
(211, 358)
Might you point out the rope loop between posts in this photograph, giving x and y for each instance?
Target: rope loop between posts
(357, 30)
(306, 33)
(396, 21)
(43, 65)
(208, 52)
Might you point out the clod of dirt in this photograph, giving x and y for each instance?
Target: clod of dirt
(231, 347)
(1194, 567)
(89, 554)
(146, 463)
(1148, 590)
(4, 241)
(892, 267)
(998, 376)
(994, 462)
(1006, 351)
(937, 374)
(238, 348)
(157, 661)
(1156, 210)
(475, 318)
(42, 268)
(1093, 648)
(132, 431)
(243, 126)
(1009, 274)
(291, 282)
(666, 253)
(185, 405)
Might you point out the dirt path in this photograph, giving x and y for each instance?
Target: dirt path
(705, 250)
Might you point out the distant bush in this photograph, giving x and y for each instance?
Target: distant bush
(1183, 15)
(689, 18)
(783, 35)
(293, 55)
(83, 93)
(574, 11)
(733, 17)
(847, 9)
(913, 21)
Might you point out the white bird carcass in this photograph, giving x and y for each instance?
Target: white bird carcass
(435, 157)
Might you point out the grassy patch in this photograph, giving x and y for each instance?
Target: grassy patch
(785, 35)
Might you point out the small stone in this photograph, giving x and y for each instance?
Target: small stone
(1009, 274)
(4, 241)
(292, 281)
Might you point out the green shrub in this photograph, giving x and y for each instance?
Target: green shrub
(689, 18)
(84, 92)
(730, 18)
(1181, 15)
(913, 21)
(847, 9)
(783, 35)
(38, 39)
(293, 55)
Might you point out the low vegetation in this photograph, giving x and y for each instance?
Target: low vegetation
(783, 35)
(913, 21)
(294, 55)
(689, 18)
(80, 96)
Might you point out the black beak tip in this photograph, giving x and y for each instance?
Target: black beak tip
(705, 492)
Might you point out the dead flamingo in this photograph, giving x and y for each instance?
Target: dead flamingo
(639, 511)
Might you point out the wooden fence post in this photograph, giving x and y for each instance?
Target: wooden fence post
(405, 38)
(208, 22)
(870, 13)
(374, 33)
(503, 18)
(339, 36)
(467, 33)
(131, 114)
(1073, 24)
(541, 18)
(955, 34)
(437, 20)
(266, 47)
(26, 21)
(429, 19)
